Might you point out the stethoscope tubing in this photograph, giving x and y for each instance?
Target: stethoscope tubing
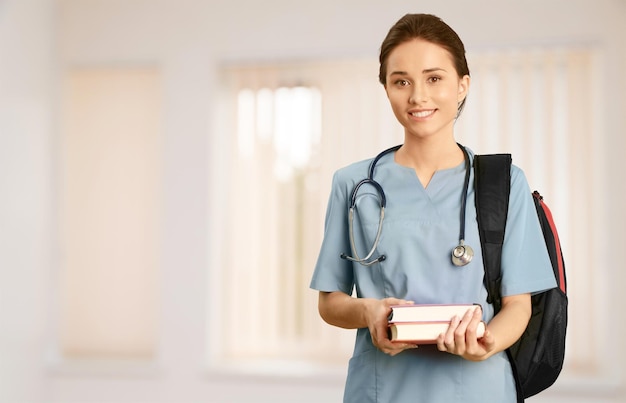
(461, 255)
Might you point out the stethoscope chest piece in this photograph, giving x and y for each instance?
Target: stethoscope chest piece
(462, 254)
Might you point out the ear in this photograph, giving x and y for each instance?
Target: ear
(464, 83)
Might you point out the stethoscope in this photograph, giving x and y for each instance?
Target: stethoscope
(461, 255)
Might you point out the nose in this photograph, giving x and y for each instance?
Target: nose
(418, 94)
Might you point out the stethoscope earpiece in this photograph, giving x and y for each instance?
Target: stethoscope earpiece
(462, 254)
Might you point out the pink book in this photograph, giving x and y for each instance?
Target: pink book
(428, 312)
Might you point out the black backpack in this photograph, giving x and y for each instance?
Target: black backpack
(537, 357)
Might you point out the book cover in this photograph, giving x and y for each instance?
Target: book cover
(422, 332)
(428, 312)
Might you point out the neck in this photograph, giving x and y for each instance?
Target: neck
(426, 156)
(431, 154)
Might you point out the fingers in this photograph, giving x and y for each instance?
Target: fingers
(381, 341)
(471, 335)
(461, 334)
(488, 341)
(378, 326)
(446, 341)
(395, 348)
(402, 348)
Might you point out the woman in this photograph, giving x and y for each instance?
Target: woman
(425, 75)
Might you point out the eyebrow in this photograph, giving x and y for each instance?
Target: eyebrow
(425, 71)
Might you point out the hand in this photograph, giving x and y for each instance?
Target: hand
(376, 317)
(461, 339)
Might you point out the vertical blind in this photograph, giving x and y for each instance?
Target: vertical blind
(297, 123)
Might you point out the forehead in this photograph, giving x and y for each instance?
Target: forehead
(419, 54)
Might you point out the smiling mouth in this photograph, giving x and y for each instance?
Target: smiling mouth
(422, 114)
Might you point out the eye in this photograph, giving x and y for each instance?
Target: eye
(402, 83)
(434, 79)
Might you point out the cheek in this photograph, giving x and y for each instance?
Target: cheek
(396, 100)
(447, 94)
(399, 109)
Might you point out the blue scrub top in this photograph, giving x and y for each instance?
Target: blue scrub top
(420, 230)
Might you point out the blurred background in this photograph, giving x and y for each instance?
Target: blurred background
(166, 166)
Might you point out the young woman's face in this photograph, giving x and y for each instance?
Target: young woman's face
(424, 88)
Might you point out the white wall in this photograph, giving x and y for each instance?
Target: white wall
(189, 39)
(26, 244)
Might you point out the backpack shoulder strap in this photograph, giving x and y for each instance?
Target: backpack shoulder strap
(492, 185)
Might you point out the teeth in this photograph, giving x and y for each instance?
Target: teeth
(422, 114)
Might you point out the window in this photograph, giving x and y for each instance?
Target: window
(274, 198)
(109, 214)
(279, 175)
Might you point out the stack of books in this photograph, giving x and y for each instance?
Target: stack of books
(422, 324)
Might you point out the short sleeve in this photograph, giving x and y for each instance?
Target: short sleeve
(526, 266)
(332, 273)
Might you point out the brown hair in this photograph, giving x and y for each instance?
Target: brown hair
(429, 28)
